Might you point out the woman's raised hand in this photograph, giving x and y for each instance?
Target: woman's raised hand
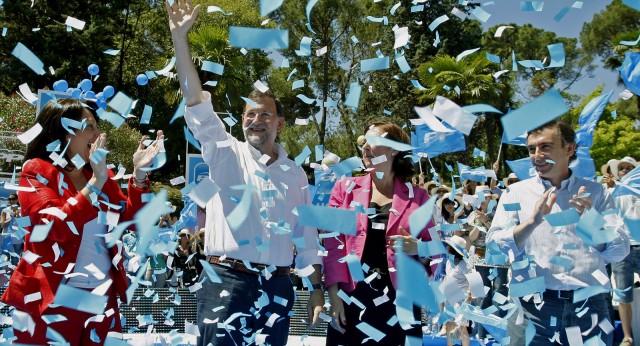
(99, 168)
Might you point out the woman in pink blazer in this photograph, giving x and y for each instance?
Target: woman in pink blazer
(390, 200)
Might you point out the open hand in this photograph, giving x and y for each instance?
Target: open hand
(182, 15)
(315, 305)
(99, 168)
(543, 206)
(143, 157)
(581, 203)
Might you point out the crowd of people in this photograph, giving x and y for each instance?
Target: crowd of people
(530, 257)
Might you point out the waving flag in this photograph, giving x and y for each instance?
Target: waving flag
(583, 166)
(520, 140)
(629, 184)
(425, 140)
(522, 168)
(630, 72)
(589, 118)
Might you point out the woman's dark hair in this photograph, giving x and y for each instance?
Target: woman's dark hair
(402, 165)
(457, 257)
(445, 214)
(50, 119)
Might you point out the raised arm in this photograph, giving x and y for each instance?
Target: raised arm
(181, 18)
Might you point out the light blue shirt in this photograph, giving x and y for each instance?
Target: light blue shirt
(547, 242)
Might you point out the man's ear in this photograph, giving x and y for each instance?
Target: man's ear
(572, 148)
(280, 123)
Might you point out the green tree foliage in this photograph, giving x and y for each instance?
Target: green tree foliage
(473, 76)
(601, 35)
(334, 23)
(350, 35)
(530, 43)
(16, 116)
(615, 139)
(110, 24)
(391, 89)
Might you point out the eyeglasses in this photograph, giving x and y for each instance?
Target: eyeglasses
(13, 198)
(625, 168)
(252, 115)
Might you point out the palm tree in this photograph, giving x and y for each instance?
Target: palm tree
(466, 82)
(472, 75)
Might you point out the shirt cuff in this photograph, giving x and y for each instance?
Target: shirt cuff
(509, 242)
(307, 258)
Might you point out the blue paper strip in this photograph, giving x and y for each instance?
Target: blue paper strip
(438, 21)
(79, 299)
(213, 67)
(374, 64)
(268, 6)
(355, 267)
(146, 115)
(353, 98)
(253, 38)
(556, 52)
(558, 17)
(306, 152)
(327, 219)
(523, 288)
(563, 218)
(28, 58)
(420, 217)
(542, 110)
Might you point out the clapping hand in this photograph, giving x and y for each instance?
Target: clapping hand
(143, 157)
(99, 168)
(543, 206)
(580, 201)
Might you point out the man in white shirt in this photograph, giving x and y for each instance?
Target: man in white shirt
(557, 259)
(251, 254)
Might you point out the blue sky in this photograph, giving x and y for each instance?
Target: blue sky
(508, 11)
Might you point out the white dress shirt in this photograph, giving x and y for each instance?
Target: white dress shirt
(628, 207)
(546, 241)
(233, 164)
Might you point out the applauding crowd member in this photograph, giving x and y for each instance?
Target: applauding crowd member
(66, 197)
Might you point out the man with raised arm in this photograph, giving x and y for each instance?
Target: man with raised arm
(555, 267)
(251, 255)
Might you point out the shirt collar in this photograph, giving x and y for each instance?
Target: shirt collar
(565, 184)
(282, 154)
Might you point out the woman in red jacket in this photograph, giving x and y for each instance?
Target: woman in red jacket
(72, 202)
(390, 199)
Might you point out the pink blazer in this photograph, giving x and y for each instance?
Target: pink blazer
(401, 208)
